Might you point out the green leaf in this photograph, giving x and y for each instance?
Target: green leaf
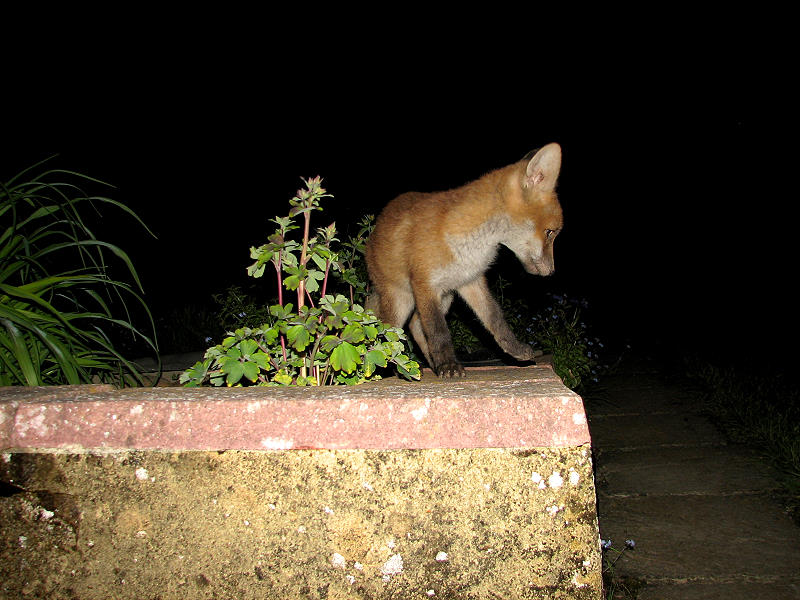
(261, 358)
(233, 370)
(282, 377)
(292, 282)
(376, 357)
(247, 347)
(312, 280)
(329, 342)
(407, 368)
(319, 260)
(250, 370)
(298, 337)
(195, 375)
(256, 270)
(345, 357)
(351, 380)
(281, 312)
(354, 333)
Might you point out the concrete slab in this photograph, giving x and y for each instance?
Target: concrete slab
(619, 396)
(711, 538)
(635, 431)
(721, 470)
(768, 590)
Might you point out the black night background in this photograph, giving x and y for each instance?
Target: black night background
(678, 186)
(674, 187)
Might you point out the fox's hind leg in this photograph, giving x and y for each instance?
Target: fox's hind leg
(415, 327)
(391, 308)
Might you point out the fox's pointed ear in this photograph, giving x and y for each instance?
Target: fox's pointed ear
(542, 170)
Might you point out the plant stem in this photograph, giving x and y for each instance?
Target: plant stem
(301, 289)
(278, 262)
(325, 279)
(280, 298)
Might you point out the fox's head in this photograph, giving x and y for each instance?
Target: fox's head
(534, 211)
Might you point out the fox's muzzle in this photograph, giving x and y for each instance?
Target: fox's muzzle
(542, 268)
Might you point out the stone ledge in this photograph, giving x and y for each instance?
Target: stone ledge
(491, 408)
(477, 489)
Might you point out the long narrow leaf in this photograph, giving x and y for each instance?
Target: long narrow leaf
(17, 345)
(56, 321)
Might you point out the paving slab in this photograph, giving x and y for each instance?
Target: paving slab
(621, 397)
(722, 591)
(722, 470)
(700, 510)
(636, 431)
(709, 537)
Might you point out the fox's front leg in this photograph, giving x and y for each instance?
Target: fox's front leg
(430, 316)
(476, 294)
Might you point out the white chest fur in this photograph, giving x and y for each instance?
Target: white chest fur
(472, 252)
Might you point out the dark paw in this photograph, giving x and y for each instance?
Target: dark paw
(523, 352)
(450, 369)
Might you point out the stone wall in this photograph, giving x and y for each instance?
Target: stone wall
(480, 488)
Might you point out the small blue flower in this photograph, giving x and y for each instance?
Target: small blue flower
(630, 544)
(208, 340)
(605, 544)
(242, 314)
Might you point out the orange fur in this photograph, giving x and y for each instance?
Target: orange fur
(426, 246)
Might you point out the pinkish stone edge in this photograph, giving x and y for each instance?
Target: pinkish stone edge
(499, 408)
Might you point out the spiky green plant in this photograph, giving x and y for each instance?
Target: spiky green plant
(58, 302)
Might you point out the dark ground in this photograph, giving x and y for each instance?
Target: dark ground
(705, 514)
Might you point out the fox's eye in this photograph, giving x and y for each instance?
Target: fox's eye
(550, 233)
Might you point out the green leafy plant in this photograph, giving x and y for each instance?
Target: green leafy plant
(239, 308)
(557, 328)
(352, 262)
(59, 305)
(560, 331)
(328, 341)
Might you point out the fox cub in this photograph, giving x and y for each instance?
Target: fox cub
(425, 246)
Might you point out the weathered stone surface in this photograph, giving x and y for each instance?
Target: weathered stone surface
(746, 590)
(493, 408)
(665, 430)
(683, 470)
(708, 537)
(440, 523)
(473, 489)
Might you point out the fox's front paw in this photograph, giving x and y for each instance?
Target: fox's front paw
(450, 369)
(523, 352)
